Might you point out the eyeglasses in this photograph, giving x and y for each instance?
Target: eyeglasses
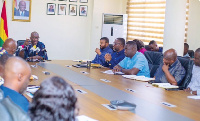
(116, 43)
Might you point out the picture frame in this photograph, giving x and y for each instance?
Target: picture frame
(62, 9)
(72, 0)
(51, 8)
(21, 10)
(73, 10)
(83, 9)
(83, 1)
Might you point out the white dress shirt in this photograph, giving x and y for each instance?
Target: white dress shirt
(195, 81)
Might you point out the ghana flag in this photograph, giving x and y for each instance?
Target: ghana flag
(3, 25)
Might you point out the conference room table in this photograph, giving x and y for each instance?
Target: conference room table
(149, 100)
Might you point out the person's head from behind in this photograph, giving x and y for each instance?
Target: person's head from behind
(186, 48)
(10, 46)
(34, 38)
(139, 43)
(153, 45)
(54, 101)
(104, 42)
(17, 73)
(197, 57)
(130, 49)
(22, 5)
(169, 57)
(72, 8)
(118, 44)
(3, 60)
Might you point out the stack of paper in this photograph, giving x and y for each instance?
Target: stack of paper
(111, 72)
(193, 97)
(84, 118)
(164, 85)
(139, 78)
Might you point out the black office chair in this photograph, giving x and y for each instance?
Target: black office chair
(111, 46)
(188, 65)
(20, 42)
(147, 47)
(191, 53)
(154, 60)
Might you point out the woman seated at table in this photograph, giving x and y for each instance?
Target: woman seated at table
(54, 101)
(140, 46)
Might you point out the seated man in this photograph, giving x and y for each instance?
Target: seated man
(194, 85)
(154, 47)
(170, 71)
(33, 50)
(17, 73)
(185, 53)
(3, 60)
(9, 47)
(104, 49)
(117, 56)
(134, 63)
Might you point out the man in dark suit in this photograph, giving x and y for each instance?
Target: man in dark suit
(22, 10)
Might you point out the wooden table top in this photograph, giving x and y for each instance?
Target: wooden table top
(90, 103)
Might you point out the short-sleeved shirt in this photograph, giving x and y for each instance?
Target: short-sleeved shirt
(16, 97)
(100, 58)
(195, 81)
(2, 51)
(137, 61)
(176, 70)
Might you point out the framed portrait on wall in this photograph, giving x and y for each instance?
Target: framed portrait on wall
(21, 10)
(83, 1)
(51, 8)
(72, 0)
(83, 10)
(72, 10)
(62, 9)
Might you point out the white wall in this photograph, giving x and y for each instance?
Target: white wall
(100, 7)
(65, 37)
(193, 38)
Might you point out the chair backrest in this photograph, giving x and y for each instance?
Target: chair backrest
(188, 65)
(147, 47)
(20, 42)
(154, 60)
(111, 46)
(191, 53)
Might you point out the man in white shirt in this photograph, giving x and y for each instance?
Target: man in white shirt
(194, 85)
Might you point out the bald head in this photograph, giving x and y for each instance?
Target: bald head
(170, 57)
(17, 73)
(34, 38)
(10, 46)
(197, 57)
(170, 54)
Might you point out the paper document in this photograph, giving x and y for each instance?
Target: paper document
(193, 97)
(84, 118)
(164, 85)
(111, 72)
(139, 78)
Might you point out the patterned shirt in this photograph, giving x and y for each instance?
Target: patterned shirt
(100, 58)
(2, 51)
(31, 50)
(176, 70)
(137, 61)
(195, 81)
(116, 58)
